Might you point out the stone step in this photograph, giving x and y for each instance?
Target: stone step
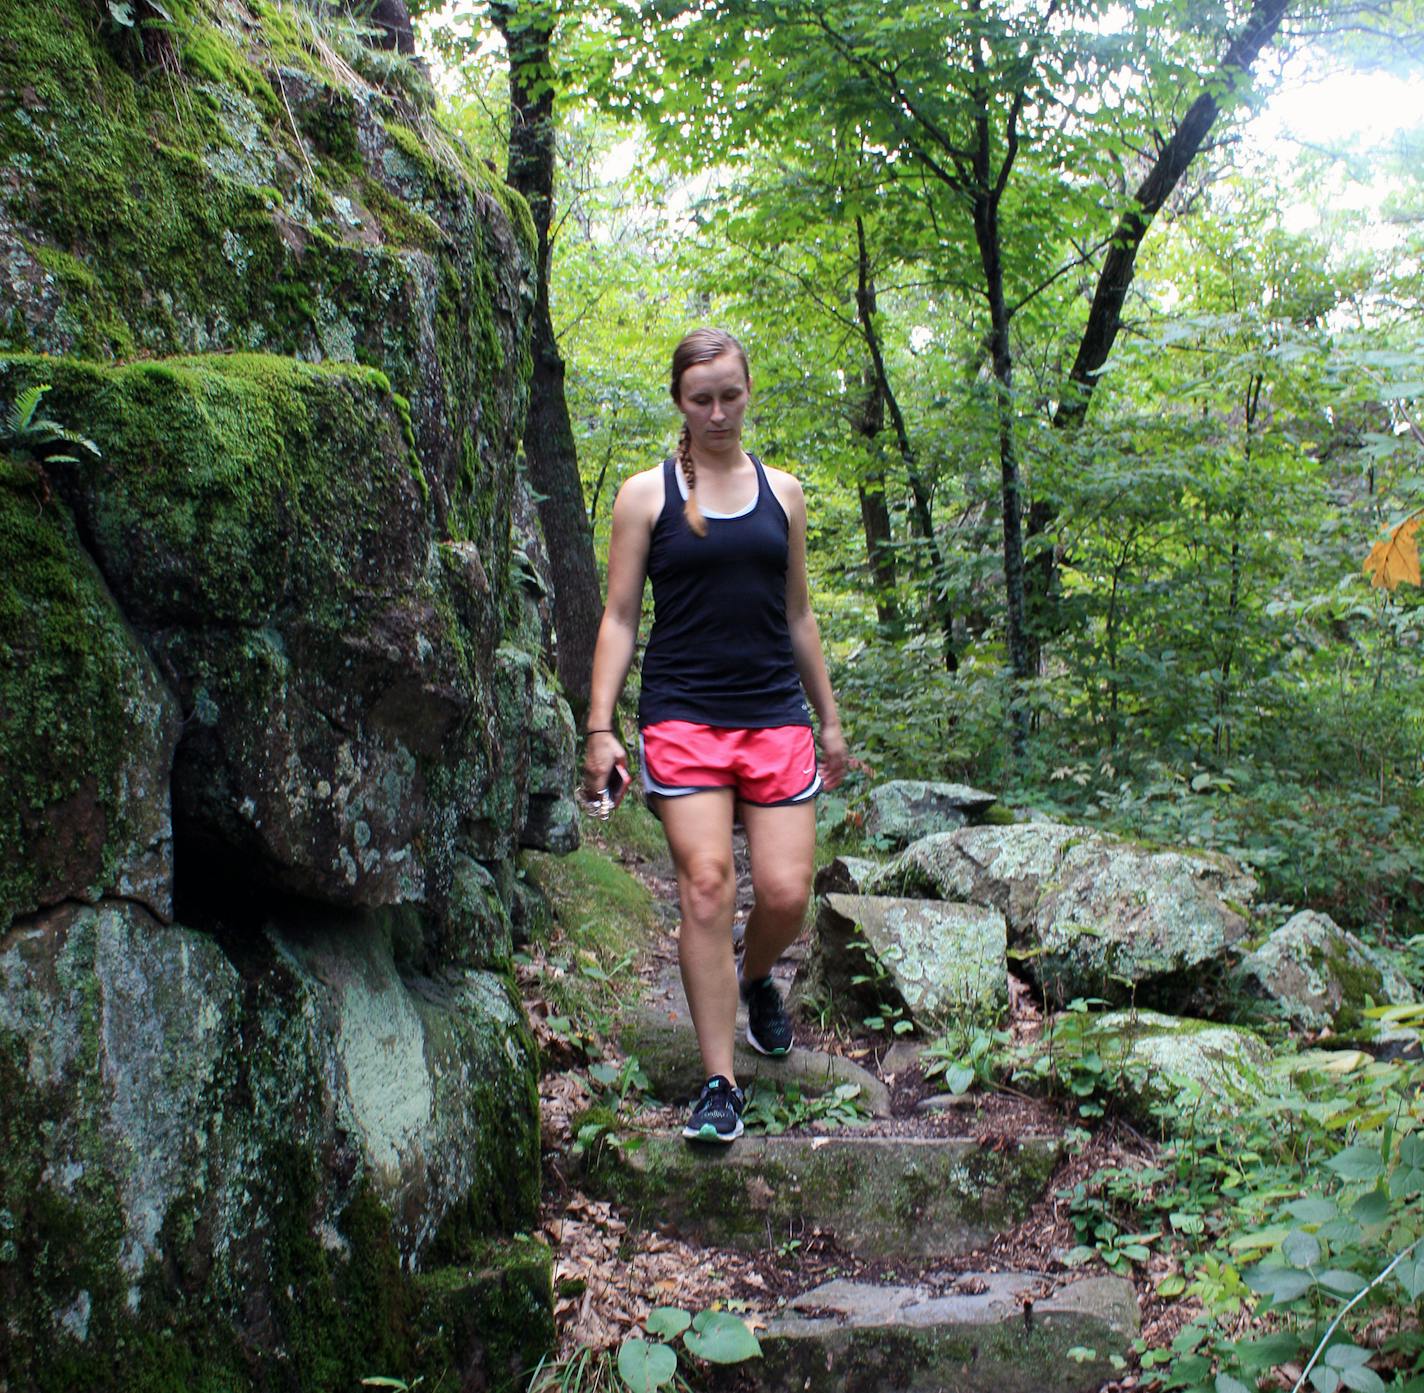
(666, 1046)
(896, 1197)
(996, 1333)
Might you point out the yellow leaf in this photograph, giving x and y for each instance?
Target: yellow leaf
(1396, 557)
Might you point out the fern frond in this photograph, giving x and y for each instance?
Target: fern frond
(23, 411)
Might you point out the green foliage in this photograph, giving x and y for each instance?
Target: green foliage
(26, 434)
(775, 1108)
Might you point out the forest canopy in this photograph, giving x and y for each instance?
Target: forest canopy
(1102, 386)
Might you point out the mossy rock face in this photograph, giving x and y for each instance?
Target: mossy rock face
(332, 665)
(227, 1168)
(1319, 974)
(87, 726)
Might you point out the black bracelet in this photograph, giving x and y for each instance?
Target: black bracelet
(601, 730)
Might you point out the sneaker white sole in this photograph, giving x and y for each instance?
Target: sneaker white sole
(762, 1049)
(707, 1132)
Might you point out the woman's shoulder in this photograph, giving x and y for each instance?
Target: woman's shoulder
(642, 493)
(786, 487)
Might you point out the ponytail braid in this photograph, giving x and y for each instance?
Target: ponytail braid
(690, 510)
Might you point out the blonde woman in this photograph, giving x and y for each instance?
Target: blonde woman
(725, 731)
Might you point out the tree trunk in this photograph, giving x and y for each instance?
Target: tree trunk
(549, 450)
(919, 493)
(1119, 267)
(988, 189)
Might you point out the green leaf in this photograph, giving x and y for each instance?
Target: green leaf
(1281, 1284)
(1314, 1209)
(1342, 1282)
(1371, 1208)
(1347, 1356)
(721, 1338)
(1300, 1249)
(1363, 1379)
(1410, 1275)
(1357, 1163)
(644, 1367)
(1226, 1384)
(958, 1079)
(667, 1321)
(1268, 1351)
(1173, 1285)
(1323, 1379)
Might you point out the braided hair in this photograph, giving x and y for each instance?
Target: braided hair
(698, 346)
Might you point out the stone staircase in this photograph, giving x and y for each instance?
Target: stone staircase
(914, 1206)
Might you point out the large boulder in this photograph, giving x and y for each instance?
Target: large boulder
(1092, 914)
(1318, 974)
(904, 810)
(1005, 867)
(1121, 920)
(280, 1137)
(926, 961)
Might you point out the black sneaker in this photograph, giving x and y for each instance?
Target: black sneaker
(768, 1025)
(717, 1115)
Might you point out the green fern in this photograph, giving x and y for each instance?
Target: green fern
(30, 436)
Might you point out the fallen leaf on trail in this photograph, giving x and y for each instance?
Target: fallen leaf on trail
(1396, 557)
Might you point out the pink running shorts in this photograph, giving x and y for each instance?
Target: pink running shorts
(766, 767)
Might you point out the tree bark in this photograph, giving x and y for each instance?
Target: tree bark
(549, 450)
(1105, 316)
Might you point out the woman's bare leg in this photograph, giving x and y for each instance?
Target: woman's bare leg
(699, 834)
(782, 843)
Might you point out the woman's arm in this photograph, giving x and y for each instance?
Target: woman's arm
(633, 514)
(806, 637)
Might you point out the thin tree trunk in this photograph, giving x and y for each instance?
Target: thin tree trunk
(988, 189)
(919, 493)
(549, 450)
(1120, 265)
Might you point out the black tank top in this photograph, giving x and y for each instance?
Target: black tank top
(720, 650)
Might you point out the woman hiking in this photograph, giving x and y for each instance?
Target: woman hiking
(724, 727)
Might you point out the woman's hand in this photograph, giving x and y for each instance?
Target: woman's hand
(834, 754)
(601, 752)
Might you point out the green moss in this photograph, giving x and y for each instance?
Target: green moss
(490, 1319)
(82, 721)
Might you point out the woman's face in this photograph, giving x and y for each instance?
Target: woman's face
(712, 397)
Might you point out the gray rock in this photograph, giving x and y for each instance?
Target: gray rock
(1006, 867)
(1148, 1058)
(846, 875)
(879, 1196)
(905, 810)
(1319, 974)
(179, 1114)
(1118, 917)
(1001, 1333)
(939, 962)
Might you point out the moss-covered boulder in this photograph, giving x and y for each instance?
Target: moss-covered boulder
(1091, 914)
(220, 1171)
(887, 1197)
(87, 725)
(1318, 974)
(1147, 1062)
(930, 962)
(1121, 920)
(904, 810)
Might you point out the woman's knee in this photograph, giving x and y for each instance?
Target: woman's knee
(785, 897)
(708, 887)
